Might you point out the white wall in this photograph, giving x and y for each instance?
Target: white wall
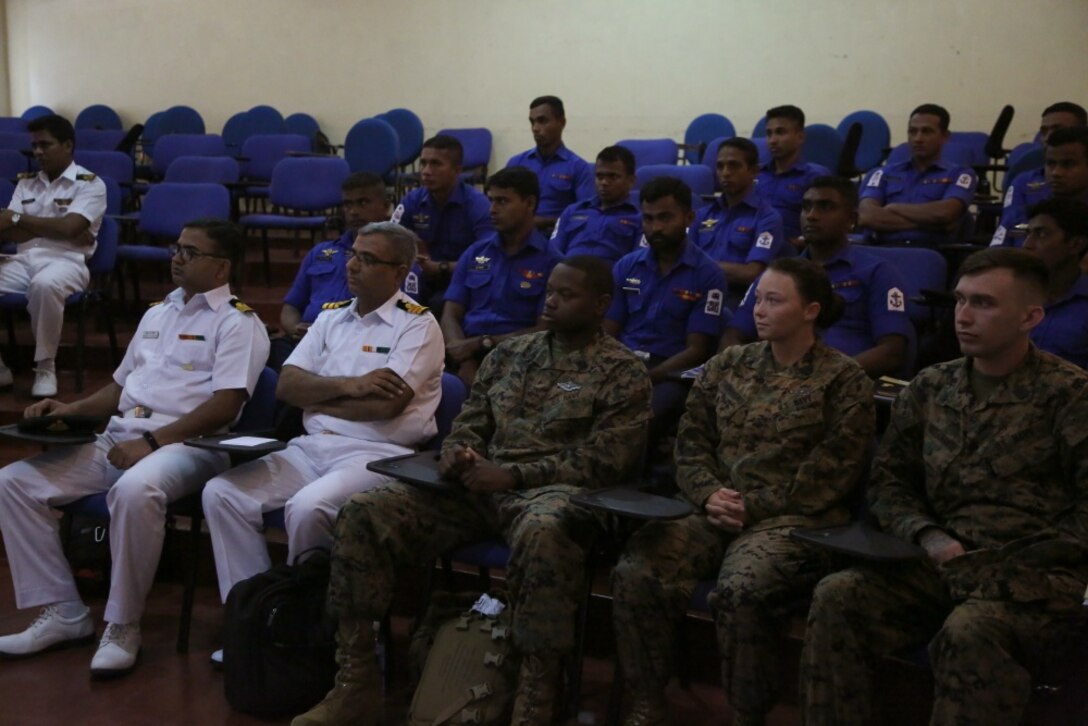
(625, 68)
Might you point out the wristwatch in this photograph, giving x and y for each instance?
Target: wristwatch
(150, 439)
(487, 342)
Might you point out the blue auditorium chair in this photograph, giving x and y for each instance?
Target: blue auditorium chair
(876, 137)
(372, 146)
(36, 112)
(476, 143)
(261, 153)
(12, 163)
(171, 146)
(98, 116)
(409, 130)
(823, 145)
(99, 139)
(203, 170)
(651, 151)
(699, 178)
(701, 131)
(302, 124)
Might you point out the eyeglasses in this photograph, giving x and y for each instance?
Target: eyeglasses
(368, 260)
(188, 254)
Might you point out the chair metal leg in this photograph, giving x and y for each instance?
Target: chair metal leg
(574, 668)
(615, 696)
(191, 567)
(267, 258)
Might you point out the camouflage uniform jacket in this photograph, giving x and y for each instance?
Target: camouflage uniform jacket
(578, 418)
(792, 440)
(1007, 477)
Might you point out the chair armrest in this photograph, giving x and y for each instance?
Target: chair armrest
(215, 442)
(859, 539)
(633, 504)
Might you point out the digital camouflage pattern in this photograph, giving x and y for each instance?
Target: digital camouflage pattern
(793, 441)
(1008, 478)
(562, 422)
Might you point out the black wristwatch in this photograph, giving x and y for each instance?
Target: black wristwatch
(150, 439)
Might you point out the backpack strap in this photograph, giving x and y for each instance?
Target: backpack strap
(477, 692)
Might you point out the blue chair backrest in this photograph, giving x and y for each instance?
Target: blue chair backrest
(116, 165)
(12, 163)
(899, 154)
(876, 136)
(699, 178)
(105, 254)
(823, 145)
(1019, 150)
(98, 116)
(760, 129)
(98, 139)
(476, 143)
(264, 120)
(1028, 160)
(235, 132)
(208, 169)
(259, 413)
(301, 123)
(763, 149)
(168, 206)
(12, 124)
(974, 145)
(650, 151)
(372, 145)
(309, 184)
(171, 146)
(704, 129)
(153, 129)
(7, 190)
(409, 130)
(263, 151)
(454, 394)
(113, 195)
(18, 140)
(36, 112)
(181, 120)
(920, 268)
(710, 156)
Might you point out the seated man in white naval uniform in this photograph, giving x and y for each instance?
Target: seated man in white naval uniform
(368, 376)
(192, 363)
(54, 217)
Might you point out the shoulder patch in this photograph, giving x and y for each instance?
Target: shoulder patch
(157, 302)
(713, 303)
(240, 306)
(336, 305)
(896, 302)
(765, 241)
(412, 308)
(86, 177)
(964, 181)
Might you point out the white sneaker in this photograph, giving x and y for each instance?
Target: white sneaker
(50, 630)
(6, 377)
(45, 384)
(117, 651)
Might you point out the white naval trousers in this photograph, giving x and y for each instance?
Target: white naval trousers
(47, 276)
(311, 478)
(137, 502)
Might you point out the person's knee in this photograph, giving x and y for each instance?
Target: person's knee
(968, 630)
(306, 510)
(41, 286)
(836, 591)
(631, 575)
(215, 494)
(135, 491)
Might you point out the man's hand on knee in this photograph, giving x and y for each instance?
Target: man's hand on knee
(939, 546)
(127, 454)
(485, 477)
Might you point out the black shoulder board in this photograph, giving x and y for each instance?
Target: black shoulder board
(411, 307)
(157, 302)
(240, 306)
(85, 177)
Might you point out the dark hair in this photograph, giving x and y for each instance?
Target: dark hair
(932, 109)
(1071, 215)
(612, 154)
(666, 186)
(442, 142)
(56, 126)
(1071, 135)
(749, 149)
(1068, 107)
(596, 269)
(523, 181)
(814, 286)
(791, 113)
(845, 187)
(1024, 266)
(552, 102)
(228, 237)
(362, 180)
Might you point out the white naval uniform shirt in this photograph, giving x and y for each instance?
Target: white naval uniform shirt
(183, 352)
(67, 194)
(343, 343)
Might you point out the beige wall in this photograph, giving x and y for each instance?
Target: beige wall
(5, 96)
(626, 68)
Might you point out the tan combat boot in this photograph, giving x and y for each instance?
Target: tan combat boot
(648, 709)
(356, 695)
(537, 691)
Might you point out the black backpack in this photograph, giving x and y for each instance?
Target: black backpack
(279, 645)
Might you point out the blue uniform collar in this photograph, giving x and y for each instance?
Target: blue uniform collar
(846, 254)
(798, 167)
(595, 202)
(1079, 289)
(561, 153)
(456, 197)
(939, 165)
(751, 199)
(536, 240)
(688, 258)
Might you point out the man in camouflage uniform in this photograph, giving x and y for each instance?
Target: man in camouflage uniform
(549, 414)
(985, 465)
(789, 440)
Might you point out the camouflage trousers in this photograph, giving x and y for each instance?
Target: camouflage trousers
(982, 652)
(760, 576)
(396, 526)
